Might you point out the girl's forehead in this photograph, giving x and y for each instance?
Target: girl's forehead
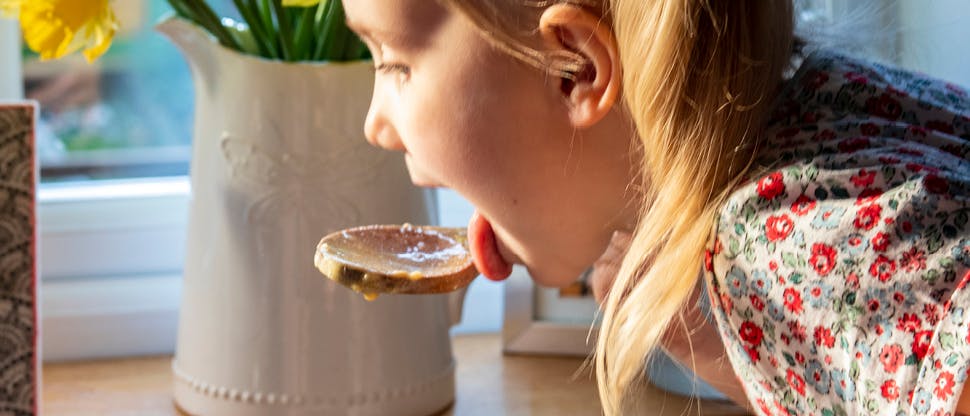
(396, 21)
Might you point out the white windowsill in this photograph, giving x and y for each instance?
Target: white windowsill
(111, 255)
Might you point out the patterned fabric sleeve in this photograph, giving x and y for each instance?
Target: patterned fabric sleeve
(838, 272)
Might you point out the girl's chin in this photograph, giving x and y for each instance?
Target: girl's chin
(494, 259)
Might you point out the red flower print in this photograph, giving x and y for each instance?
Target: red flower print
(896, 92)
(891, 358)
(913, 260)
(883, 268)
(793, 300)
(708, 261)
(815, 80)
(880, 242)
(853, 145)
(944, 385)
(856, 78)
(756, 302)
(823, 336)
(890, 390)
(899, 297)
(778, 227)
(823, 258)
(753, 353)
(873, 305)
(917, 131)
(797, 331)
(869, 129)
(824, 136)
(726, 303)
(864, 178)
(771, 186)
(940, 126)
(936, 184)
(750, 333)
(909, 323)
(796, 382)
(884, 106)
(852, 280)
(888, 160)
(802, 205)
(931, 313)
(765, 409)
(867, 217)
(914, 167)
(868, 196)
(782, 411)
(953, 149)
(906, 226)
(921, 344)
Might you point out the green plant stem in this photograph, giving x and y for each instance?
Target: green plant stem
(181, 10)
(331, 32)
(338, 46)
(266, 14)
(255, 26)
(304, 31)
(286, 32)
(208, 19)
(320, 27)
(263, 14)
(355, 49)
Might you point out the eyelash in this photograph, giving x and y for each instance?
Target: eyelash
(394, 67)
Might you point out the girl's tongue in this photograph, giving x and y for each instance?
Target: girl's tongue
(484, 248)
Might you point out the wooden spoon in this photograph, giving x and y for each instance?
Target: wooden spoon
(410, 259)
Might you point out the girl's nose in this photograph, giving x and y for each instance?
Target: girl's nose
(378, 128)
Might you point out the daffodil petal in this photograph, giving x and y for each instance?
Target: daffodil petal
(99, 35)
(9, 9)
(300, 3)
(55, 28)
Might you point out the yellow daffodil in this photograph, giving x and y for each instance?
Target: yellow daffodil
(300, 3)
(55, 28)
(9, 8)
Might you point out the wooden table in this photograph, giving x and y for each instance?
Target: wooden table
(488, 384)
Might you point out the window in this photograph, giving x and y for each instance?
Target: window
(127, 115)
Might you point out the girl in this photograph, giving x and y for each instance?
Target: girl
(822, 215)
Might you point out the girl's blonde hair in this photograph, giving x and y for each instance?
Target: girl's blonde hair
(697, 81)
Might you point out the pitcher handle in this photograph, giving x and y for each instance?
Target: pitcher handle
(456, 301)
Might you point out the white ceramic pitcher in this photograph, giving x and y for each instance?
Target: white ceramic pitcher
(280, 160)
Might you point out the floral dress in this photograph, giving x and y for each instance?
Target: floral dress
(837, 273)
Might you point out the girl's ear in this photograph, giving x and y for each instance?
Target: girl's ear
(596, 86)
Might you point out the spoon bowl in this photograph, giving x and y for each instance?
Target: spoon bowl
(377, 259)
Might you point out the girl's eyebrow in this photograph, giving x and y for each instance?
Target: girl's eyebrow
(383, 36)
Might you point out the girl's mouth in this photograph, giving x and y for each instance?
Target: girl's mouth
(485, 249)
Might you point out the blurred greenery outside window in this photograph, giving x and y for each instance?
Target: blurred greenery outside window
(129, 114)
